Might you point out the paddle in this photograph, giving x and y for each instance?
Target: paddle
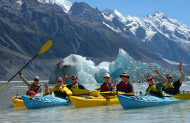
(78, 91)
(184, 96)
(45, 47)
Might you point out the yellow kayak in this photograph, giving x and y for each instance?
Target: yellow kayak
(17, 103)
(90, 101)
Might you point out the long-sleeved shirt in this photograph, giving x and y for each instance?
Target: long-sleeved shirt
(30, 84)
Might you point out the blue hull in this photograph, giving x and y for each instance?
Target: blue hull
(43, 102)
(130, 102)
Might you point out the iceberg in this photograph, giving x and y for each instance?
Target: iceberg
(89, 73)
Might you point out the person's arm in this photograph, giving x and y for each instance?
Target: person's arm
(182, 73)
(46, 89)
(113, 83)
(66, 76)
(24, 80)
(48, 92)
(98, 88)
(67, 91)
(163, 78)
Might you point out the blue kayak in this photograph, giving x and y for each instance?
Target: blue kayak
(130, 102)
(43, 102)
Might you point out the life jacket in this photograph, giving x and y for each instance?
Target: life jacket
(169, 88)
(35, 88)
(105, 87)
(152, 88)
(58, 91)
(153, 91)
(123, 87)
(74, 86)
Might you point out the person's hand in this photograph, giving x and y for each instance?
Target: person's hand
(67, 76)
(157, 71)
(19, 72)
(113, 83)
(46, 85)
(180, 65)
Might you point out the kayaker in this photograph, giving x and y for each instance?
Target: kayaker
(60, 90)
(125, 86)
(108, 85)
(153, 88)
(34, 88)
(75, 85)
(173, 87)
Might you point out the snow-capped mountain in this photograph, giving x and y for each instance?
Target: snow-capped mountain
(153, 24)
(150, 24)
(66, 5)
(156, 33)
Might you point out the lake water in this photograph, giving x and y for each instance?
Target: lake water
(179, 112)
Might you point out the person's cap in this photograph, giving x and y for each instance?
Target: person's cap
(36, 77)
(106, 75)
(124, 74)
(169, 76)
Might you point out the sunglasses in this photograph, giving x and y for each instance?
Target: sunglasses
(124, 76)
(169, 78)
(74, 79)
(150, 79)
(59, 81)
(106, 77)
(36, 80)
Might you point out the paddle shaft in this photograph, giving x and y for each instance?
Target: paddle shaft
(23, 67)
(18, 71)
(44, 48)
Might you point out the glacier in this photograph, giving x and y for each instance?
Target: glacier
(89, 73)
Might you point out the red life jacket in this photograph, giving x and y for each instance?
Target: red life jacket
(123, 87)
(105, 87)
(123, 84)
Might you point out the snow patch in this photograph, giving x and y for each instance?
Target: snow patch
(19, 2)
(115, 30)
(107, 17)
(149, 35)
(66, 5)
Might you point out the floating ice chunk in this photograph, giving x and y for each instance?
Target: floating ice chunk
(87, 72)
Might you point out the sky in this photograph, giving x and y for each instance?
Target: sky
(174, 9)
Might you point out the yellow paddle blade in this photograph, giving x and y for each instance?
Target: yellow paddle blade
(46, 46)
(110, 96)
(184, 96)
(77, 91)
(4, 85)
